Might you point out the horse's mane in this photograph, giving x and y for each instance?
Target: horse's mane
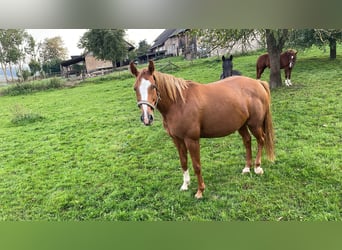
(171, 85)
(291, 51)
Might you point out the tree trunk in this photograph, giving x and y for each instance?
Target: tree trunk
(275, 40)
(275, 74)
(10, 68)
(332, 45)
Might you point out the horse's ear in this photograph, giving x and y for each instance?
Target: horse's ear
(223, 58)
(133, 69)
(151, 67)
(231, 57)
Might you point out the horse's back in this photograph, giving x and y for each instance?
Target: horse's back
(227, 104)
(263, 61)
(241, 83)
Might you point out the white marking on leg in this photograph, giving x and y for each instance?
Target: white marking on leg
(246, 170)
(286, 82)
(258, 170)
(289, 82)
(186, 180)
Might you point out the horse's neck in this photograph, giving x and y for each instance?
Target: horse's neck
(164, 104)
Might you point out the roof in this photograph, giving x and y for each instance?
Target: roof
(129, 46)
(166, 34)
(73, 60)
(177, 31)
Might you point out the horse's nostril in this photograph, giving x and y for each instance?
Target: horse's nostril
(151, 118)
(142, 118)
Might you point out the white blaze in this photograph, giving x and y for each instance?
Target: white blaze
(143, 89)
(144, 85)
(291, 62)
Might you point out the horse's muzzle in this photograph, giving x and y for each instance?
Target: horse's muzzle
(147, 120)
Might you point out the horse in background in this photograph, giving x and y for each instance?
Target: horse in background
(287, 61)
(227, 67)
(192, 111)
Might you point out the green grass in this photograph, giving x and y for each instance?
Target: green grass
(88, 157)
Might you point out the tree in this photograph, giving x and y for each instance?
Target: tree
(330, 37)
(13, 49)
(34, 67)
(143, 48)
(305, 38)
(52, 52)
(25, 47)
(8, 51)
(275, 40)
(212, 39)
(227, 38)
(3, 50)
(53, 48)
(106, 44)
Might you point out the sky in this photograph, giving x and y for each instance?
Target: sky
(71, 37)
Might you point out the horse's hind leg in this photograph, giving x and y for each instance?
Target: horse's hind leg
(246, 137)
(259, 134)
(183, 157)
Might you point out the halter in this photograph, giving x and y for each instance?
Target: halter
(152, 106)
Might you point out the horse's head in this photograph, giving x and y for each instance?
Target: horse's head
(292, 57)
(227, 67)
(146, 91)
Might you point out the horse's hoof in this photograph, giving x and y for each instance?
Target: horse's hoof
(199, 195)
(258, 171)
(246, 170)
(184, 187)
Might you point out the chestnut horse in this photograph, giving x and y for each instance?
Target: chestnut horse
(192, 111)
(227, 68)
(287, 61)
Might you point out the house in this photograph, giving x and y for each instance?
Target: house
(174, 42)
(88, 64)
(84, 65)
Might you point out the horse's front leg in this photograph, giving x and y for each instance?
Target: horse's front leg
(194, 149)
(287, 76)
(183, 157)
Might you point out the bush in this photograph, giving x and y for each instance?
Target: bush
(22, 115)
(30, 87)
(54, 83)
(26, 74)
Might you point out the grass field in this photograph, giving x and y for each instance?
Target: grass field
(82, 153)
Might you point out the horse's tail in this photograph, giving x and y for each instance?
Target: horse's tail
(268, 126)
